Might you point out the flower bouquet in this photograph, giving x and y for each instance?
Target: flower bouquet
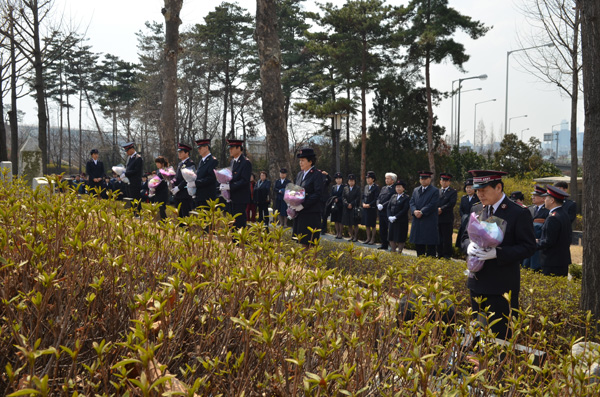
(152, 185)
(169, 175)
(486, 234)
(294, 196)
(224, 175)
(190, 177)
(120, 170)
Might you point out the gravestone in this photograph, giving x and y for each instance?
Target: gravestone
(6, 170)
(30, 160)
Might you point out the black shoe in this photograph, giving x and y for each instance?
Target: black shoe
(383, 248)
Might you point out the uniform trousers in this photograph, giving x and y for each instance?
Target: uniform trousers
(444, 248)
(501, 309)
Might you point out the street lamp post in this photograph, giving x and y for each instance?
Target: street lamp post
(506, 92)
(452, 112)
(511, 119)
(526, 129)
(557, 132)
(475, 121)
(481, 77)
(337, 127)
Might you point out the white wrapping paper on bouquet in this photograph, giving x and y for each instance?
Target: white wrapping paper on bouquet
(153, 184)
(120, 170)
(190, 177)
(224, 176)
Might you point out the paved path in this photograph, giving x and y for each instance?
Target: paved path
(330, 237)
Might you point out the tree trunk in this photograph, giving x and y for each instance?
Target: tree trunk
(3, 148)
(206, 101)
(363, 124)
(89, 102)
(430, 155)
(69, 132)
(224, 156)
(80, 155)
(590, 35)
(347, 152)
(171, 11)
(574, 99)
(39, 87)
(269, 52)
(12, 115)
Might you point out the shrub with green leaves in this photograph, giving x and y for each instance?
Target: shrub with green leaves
(98, 302)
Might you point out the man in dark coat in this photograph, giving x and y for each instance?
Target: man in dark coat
(239, 186)
(539, 212)
(424, 209)
(182, 198)
(262, 191)
(278, 192)
(500, 273)
(448, 197)
(383, 200)
(134, 169)
(568, 206)
(555, 240)
(206, 181)
(94, 168)
(466, 203)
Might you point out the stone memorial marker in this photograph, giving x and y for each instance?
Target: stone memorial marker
(6, 170)
(30, 160)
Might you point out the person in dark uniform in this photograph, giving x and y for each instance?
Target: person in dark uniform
(161, 192)
(466, 202)
(501, 270)
(309, 215)
(324, 198)
(539, 212)
(397, 212)
(351, 201)
(183, 201)
(279, 191)
(369, 205)
(448, 197)
(239, 186)
(424, 208)
(336, 205)
(555, 240)
(134, 169)
(385, 195)
(569, 206)
(206, 181)
(262, 189)
(95, 170)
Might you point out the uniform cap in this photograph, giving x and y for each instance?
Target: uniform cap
(446, 176)
(400, 182)
(517, 195)
(202, 142)
(425, 174)
(351, 177)
(555, 192)
(371, 174)
(128, 145)
(538, 190)
(337, 175)
(235, 142)
(482, 178)
(306, 152)
(283, 171)
(183, 147)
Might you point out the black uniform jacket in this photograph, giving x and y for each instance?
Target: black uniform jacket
(425, 229)
(133, 171)
(385, 195)
(262, 189)
(466, 204)
(351, 196)
(398, 207)
(279, 191)
(447, 203)
(180, 182)
(313, 185)
(570, 207)
(94, 170)
(502, 274)
(370, 195)
(206, 181)
(239, 186)
(555, 242)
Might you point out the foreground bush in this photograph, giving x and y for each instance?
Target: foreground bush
(95, 301)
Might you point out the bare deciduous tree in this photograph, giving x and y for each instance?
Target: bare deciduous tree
(556, 22)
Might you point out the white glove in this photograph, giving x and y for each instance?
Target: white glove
(175, 190)
(297, 207)
(379, 207)
(486, 254)
(391, 219)
(472, 249)
(224, 186)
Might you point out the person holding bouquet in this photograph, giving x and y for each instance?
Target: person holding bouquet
(239, 185)
(309, 213)
(397, 213)
(206, 181)
(161, 191)
(500, 272)
(134, 169)
(183, 200)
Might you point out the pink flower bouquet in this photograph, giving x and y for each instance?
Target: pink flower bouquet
(486, 234)
(153, 184)
(169, 175)
(224, 175)
(294, 196)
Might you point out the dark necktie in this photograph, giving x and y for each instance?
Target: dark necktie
(537, 210)
(490, 210)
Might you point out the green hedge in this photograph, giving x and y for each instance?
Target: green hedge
(98, 302)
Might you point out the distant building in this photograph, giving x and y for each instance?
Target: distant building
(564, 142)
(257, 148)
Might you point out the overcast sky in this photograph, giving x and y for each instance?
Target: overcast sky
(111, 26)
